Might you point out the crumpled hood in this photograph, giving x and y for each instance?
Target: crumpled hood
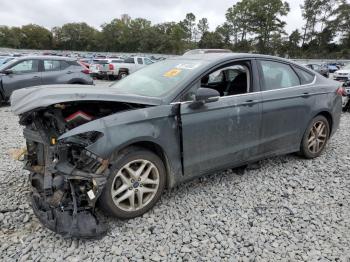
(27, 99)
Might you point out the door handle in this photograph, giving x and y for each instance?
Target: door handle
(250, 102)
(36, 77)
(305, 95)
(69, 72)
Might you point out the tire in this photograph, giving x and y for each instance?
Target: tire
(122, 75)
(315, 138)
(2, 99)
(128, 188)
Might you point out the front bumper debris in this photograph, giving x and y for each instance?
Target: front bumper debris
(68, 223)
(66, 182)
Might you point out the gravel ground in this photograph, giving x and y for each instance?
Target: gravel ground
(288, 209)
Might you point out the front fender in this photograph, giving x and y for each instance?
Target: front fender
(155, 124)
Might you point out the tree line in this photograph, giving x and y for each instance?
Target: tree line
(255, 26)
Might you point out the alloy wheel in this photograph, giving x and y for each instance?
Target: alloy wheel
(317, 137)
(135, 185)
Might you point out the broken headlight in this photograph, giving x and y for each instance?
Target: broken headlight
(84, 139)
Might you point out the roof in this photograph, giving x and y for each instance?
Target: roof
(46, 57)
(215, 57)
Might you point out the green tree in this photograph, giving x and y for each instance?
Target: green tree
(10, 37)
(211, 40)
(35, 37)
(225, 31)
(203, 25)
(188, 24)
(293, 44)
(267, 21)
(76, 36)
(239, 18)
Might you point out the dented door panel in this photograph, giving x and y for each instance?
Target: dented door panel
(220, 134)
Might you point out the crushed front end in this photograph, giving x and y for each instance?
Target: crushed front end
(66, 179)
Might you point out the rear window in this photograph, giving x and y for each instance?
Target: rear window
(52, 65)
(305, 77)
(65, 65)
(276, 75)
(100, 62)
(129, 60)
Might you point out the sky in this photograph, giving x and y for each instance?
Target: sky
(50, 13)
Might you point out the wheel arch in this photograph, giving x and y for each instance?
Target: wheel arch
(154, 148)
(329, 118)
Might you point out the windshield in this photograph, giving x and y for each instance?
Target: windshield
(160, 78)
(7, 63)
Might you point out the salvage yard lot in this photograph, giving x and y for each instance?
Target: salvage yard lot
(289, 208)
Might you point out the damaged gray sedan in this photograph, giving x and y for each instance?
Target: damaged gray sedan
(118, 148)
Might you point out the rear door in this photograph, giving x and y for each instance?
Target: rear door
(221, 134)
(25, 74)
(286, 108)
(52, 73)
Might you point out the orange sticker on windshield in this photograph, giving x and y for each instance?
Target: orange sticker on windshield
(172, 72)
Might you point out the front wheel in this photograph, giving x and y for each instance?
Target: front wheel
(315, 138)
(135, 184)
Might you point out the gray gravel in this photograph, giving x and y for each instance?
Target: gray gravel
(288, 209)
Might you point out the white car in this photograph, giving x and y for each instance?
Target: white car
(342, 74)
(103, 68)
(130, 65)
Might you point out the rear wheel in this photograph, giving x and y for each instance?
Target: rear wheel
(315, 138)
(122, 75)
(135, 184)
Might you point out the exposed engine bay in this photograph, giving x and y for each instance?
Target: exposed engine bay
(67, 179)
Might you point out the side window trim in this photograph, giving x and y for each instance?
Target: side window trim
(251, 60)
(29, 72)
(311, 73)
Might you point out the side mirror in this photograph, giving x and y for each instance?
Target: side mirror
(8, 72)
(205, 95)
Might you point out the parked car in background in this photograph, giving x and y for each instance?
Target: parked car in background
(5, 59)
(99, 68)
(321, 69)
(206, 51)
(346, 97)
(40, 70)
(129, 66)
(172, 121)
(342, 74)
(332, 68)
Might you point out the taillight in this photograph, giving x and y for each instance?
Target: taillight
(85, 71)
(341, 91)
(111, 67)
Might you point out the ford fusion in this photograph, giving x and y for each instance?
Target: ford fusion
(118, 148)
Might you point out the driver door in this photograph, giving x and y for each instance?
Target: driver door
(221, 134)
(24, 74)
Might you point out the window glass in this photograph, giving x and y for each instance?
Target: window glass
(216, 77)
(148, 61)
(52, 65)
(305, 77)
(160, 79)
(228, 81)
(139, 61)
(27, 66)
(278, 75)
(316, 67)
(64, 65)
(129, 60)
